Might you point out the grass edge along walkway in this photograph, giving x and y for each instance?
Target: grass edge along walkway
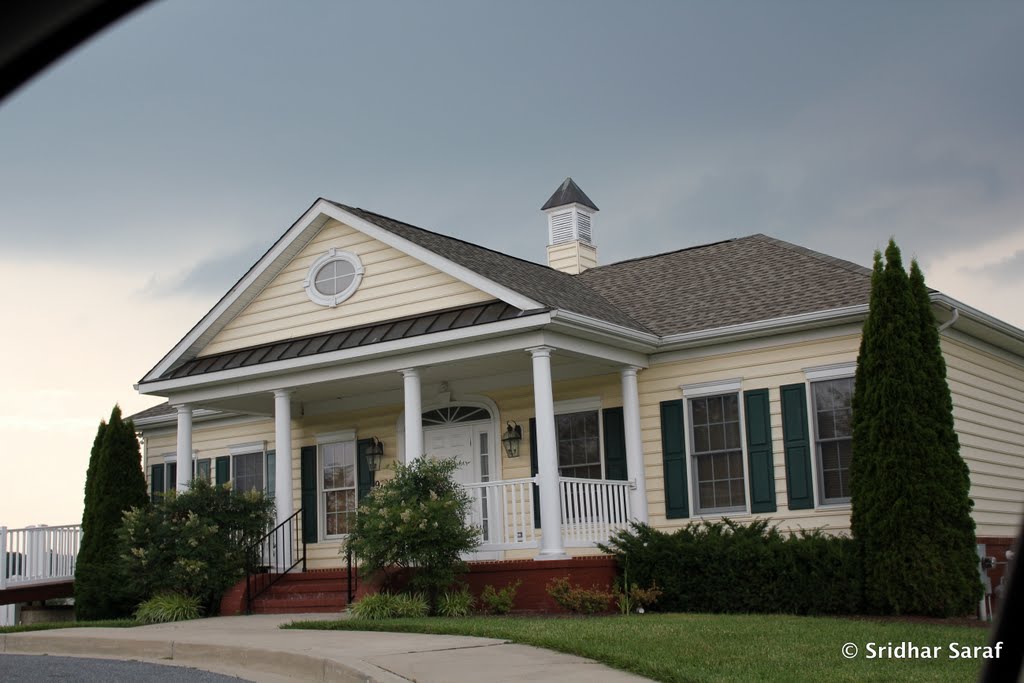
(50, 625)
(690, 648)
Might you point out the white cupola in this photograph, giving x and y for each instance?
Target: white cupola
(570, 238)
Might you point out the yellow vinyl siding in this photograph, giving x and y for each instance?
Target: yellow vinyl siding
(988, 411)
(767, 368)
(394, 285)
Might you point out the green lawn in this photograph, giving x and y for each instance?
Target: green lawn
(700, 647)
(108, 623)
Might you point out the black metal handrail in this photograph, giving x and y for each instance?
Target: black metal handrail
(353, 582)
(273, 556)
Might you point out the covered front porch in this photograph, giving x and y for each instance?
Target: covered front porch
(574, 477)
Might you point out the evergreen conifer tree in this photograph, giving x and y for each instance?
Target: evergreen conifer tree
(908, 494)
(114, 484)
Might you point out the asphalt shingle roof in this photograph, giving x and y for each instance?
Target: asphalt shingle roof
(551, 288)
(727, 283)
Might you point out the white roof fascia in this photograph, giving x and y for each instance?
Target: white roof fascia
(429, 257)
(790, 323)
(389, 348)
(246, 289)
(253, 282)
(604, 331)
(1002, 334)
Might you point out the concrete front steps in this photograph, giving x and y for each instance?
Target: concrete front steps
(322, 591)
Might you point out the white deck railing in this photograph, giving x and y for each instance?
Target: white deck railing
(40, 554)
(504, 512)
(592, 510)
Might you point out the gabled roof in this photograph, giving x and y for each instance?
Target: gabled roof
(728, 283)
(568, 193)
(543, 284)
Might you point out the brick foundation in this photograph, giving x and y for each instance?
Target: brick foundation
(532, 597)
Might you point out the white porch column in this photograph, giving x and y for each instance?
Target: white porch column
(413, 415)
(547, 457)
(184, 459)
(634, 444)
(283, 457)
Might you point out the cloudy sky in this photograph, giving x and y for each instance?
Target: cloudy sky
(145, 172)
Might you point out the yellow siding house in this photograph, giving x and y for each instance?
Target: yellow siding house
(707, 382)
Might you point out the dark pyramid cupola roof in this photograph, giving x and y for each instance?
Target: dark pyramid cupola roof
(567, 193)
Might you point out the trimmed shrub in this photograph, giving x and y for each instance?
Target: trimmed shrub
(415, 520)
(456, 603)
(729, 567)
(498, 601)
(168, 607)
(578, 599)
(194, 543)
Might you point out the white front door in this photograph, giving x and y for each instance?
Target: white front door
(453, 442)
(470, 445)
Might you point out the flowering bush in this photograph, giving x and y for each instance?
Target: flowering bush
(193, 543)
(415, 521)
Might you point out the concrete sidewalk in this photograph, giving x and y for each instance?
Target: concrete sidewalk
(255, 648)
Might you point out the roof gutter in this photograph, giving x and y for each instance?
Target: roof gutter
(791, 323)
(605, 331)
(962, 310)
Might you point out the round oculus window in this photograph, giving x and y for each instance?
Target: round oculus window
(333, 277)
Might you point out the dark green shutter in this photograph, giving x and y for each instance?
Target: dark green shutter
(156, 481)
(797, 444)
(171, 475)
(533, 472)
(364, 477)
(759, 450)
(673, 457)
(271, 473)
(307, 470)
(223, 467)
(614, 444)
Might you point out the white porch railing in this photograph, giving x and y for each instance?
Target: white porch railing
(39, 554)
(592, 509)
(504, 512)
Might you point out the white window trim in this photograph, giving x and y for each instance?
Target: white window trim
(822, 373)
(247, 448)
(834, 371)
(702, 390)
(336, 437)
(333, 254)
(341, 436)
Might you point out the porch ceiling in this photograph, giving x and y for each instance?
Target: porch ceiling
(466, 376)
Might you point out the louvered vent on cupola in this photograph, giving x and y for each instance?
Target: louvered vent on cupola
(570, 237)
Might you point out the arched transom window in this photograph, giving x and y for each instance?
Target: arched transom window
(454, 415)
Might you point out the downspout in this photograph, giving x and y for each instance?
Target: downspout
(951, 321)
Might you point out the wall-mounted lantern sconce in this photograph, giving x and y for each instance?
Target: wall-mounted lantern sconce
(374, 454)
(511, 439)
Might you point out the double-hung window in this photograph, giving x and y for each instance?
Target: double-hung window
(252, 468)
(579, 444)
(833, 413)
(338, 486)
(716, 450)
(163, 477)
